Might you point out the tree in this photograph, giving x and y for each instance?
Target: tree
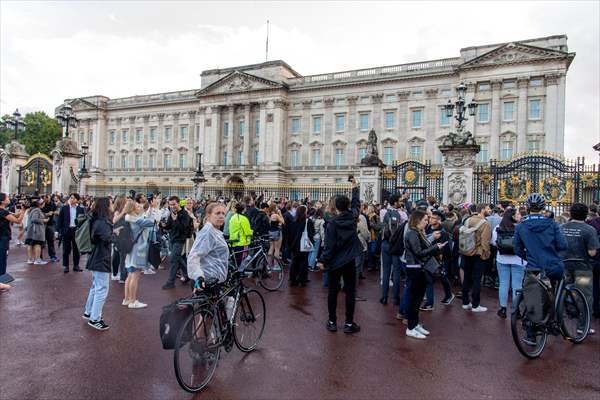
(41, 133)
(6, 134)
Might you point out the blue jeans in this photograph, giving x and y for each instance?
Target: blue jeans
(391, 265)
(372, 253)
(404, 301)
(510, 275)
(445, 284)
(312, 257)
(3, 254)
(97, 296)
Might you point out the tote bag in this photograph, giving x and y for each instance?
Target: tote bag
(306, 245)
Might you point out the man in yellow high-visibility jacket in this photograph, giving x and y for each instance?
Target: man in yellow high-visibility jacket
(240, 232)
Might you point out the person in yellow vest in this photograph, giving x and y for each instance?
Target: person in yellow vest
(240, 233)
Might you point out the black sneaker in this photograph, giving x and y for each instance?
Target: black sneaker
(351, 328)
(86, 316)
(448, 300)
(331, 326)
(168, 286)
(502, 312)
(426, 308)
(100, 325)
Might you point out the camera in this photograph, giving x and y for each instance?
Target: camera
(350, 178)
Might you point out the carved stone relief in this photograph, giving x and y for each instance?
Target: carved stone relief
(457, 188)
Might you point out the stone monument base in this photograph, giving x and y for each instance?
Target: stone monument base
(459, 161)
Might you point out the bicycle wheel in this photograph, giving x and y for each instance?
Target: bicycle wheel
(529, 337)
(196, 351)
(574, 314)
(249, 320)
(270, 275)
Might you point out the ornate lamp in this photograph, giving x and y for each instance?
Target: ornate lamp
(66, 118)
(16, 122)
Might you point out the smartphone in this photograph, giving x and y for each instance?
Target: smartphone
(350, 178)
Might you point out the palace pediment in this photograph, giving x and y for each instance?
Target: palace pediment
(238, 82)
(517, 53)
(81, 105)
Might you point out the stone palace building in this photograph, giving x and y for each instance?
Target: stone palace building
(267, 123)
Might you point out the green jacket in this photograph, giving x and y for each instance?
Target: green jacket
(239, 229)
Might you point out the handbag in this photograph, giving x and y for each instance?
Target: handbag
(306, 245)
(433, 267)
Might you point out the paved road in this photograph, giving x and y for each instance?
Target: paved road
(48, 352)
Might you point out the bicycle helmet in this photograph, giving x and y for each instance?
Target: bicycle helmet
(535, 202)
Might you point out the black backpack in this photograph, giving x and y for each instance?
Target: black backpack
(125, 239)
(171, 320)
(504, 241)
(397, 241)
(393, 223)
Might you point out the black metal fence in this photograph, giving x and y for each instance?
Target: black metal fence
(419, 180)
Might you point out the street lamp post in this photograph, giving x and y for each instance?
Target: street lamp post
(83, 172)
(66, 118)
(15, 123)
(461, 136)
(198, 178)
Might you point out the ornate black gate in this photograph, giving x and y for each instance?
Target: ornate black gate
(35, 177)
(560, 182)
(419, 180)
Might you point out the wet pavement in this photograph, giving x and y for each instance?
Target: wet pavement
(48, 351)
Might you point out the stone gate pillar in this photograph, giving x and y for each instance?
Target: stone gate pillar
(13, 157)
(66, 157)
(459, 161)
(370, 184)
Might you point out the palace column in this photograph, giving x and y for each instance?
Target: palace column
(230, 134)
(522, 83)
(247, 136)
(264, 152)
(403, 128)
(495, 121)
(551, 114)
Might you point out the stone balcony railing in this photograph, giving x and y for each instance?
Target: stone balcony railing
(442, 65)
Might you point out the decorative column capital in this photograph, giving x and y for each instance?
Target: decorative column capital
(306, 104)
(376, 98)
(351, 100)
(496, 84)
(522, 82)
(552, 79)
(160, 116)
(328, 101)
(132, 119)
(403, 96)
(431, 93)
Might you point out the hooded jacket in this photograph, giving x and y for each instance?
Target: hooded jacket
(539, 240)
(341, 238)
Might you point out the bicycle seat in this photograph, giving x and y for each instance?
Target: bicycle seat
(211, 283)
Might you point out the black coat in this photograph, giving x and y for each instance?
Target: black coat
(180, 228)
(341, 239)
(64, 218)
(102, 239)
(417, 249)
(295, 231)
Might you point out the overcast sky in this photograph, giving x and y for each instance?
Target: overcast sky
(53, 50)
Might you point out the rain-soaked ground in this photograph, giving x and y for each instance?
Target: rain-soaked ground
(48, 352)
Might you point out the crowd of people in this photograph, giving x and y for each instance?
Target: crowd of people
(411, 244)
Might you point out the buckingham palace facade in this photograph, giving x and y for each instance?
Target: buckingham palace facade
(268, 123)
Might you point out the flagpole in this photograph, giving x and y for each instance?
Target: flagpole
(267, 44)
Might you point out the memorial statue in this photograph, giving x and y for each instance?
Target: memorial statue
(372, 157)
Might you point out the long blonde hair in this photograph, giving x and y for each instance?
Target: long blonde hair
(119, 203)
(130, 208)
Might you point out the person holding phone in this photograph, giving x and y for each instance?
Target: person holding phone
(6, 218)
(417, 252)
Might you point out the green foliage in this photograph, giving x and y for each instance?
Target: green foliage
(6, 134)
(41, 133)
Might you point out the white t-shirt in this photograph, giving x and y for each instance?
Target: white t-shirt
(506, 258)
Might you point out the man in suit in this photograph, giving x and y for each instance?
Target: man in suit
(66, 227)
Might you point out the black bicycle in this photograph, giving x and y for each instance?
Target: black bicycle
(223, 314)
(268, 271)
(568, 316)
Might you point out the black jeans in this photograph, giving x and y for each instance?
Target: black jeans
(596, 288)
(418, 284)
(50, 241)
(348, 272)
(177, 262)
(299, 267)
(118, 264)
(69, 244)
(473, 268)
(3, 254)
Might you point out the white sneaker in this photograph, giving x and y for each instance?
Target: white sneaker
(125, 302)
(137, 304)
(467, 306)
(114, 277)
(479, 309)
(40, 262)
(149, 271)
(30, 261)
(422, 330)
(414, 333)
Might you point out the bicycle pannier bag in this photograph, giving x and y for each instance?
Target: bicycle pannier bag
(306, 245)
(536, 298)
(171, 320)
(467, 240)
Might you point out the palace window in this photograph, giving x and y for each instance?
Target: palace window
(138, 162)
(295, 126)
(507, 150)
(340, 122)
(340, 160)
(483, 156)
(257, 128)
(167, 161)
(416, 151)
(317, 125)
(484, 113)
(152, 135)
(183, 133)
(509, 111)
(508, 84)
(444, 119)
(151, 161)
(362, 153)
(183, 161)
(364, 122)
(534, 109)
(484, 87)
(81, 139)
(125, 136)
(226, 129)
(225, 158)
(124, 161)
(167, 134)
(535, 82)
(316, 157)
(112, 137)
(138, 135)
(388, 155)
(533, 145)
(295, 158)
(390, 98)
(241, 158)
(256, 157)
(389, 119)
(111, 162)
(242, 128)
(417, 116)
